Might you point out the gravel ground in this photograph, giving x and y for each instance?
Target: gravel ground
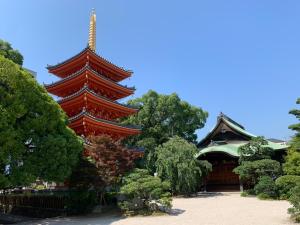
(205, 209)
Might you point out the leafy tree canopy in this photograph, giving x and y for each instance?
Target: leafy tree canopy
(292, 165)
(162, 117)
(176, 163)
(256, 149)
(296, 113)
(34, 139)
(110, 158)
(8, 52)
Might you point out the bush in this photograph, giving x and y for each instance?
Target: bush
(285, 184)
(244, 194)
(266, 188)
(81, 201)
(250, 191)
(295, 201)
(144, 193)
(250, 172)
(263, 196)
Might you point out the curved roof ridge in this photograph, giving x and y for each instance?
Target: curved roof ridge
(114, 65)
(80, 71)
(233, 148)
(224, 116)
(66, 78)
(67, 60)
(239, 129)
(81, 52)
(95, 94)
(106, 78)
(231, 123)
(85, 113)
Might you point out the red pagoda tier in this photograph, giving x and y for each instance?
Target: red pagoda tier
(96, 62)
(89, 89)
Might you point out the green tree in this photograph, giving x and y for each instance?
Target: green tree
(255, 149)
(285, 184)
(144, 192)
(295, 201)
(162, 117)
(8, 52)
(176, 163)
(255, 162)
(35, 141)
(292, 164)
(292, 167)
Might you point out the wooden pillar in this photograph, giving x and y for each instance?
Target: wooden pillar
(205, 188)
(241, 186)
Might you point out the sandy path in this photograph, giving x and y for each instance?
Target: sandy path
(222, 209)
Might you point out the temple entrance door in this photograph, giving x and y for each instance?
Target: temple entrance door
(222, 177)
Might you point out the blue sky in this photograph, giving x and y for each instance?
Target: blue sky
(238, 57)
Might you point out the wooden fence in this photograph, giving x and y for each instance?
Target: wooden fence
(36, 205)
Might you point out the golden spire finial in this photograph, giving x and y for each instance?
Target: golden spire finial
(92, 33)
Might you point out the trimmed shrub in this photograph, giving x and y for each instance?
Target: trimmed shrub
(295, 201)
(250, 191)
(266, 188)
(143, 193)
(81, 201)
(263, 196)
(285, 184)
(251, 171)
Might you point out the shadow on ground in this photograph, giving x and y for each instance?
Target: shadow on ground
(205, 195)
(93, 219)
(176, 212)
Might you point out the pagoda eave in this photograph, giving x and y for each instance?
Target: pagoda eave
(88, 56)
(85, 124)
(86, 75)
(85, 98)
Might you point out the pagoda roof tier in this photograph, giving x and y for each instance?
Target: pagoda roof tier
(85, 124)
(95, 81)
(98, 63)
(86, 98)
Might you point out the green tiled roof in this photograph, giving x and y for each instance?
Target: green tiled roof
(239, 129)
(232, 148)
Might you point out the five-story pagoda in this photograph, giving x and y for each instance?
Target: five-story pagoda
(89, 91)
